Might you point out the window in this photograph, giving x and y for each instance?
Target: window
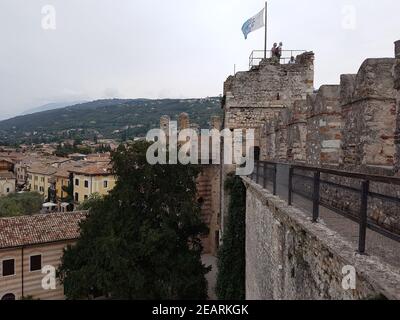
(36, 263)
(105, 184)
(8, 267)
(86, 184)
(42, 179)
(8, 297)
(85, 197)
(76, 196)
(77, 182)
(8, 190)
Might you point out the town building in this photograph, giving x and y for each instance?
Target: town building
(30, 245)
(7, 183)
(92, 178)
(41, 178)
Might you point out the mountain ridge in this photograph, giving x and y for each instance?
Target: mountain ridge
(106, 118)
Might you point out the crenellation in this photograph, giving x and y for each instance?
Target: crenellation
(324, 126)
(370, 116)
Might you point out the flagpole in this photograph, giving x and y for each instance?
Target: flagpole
(265, 40)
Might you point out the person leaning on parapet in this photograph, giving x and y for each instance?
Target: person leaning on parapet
(279, 51)
(274, 52)
(292, 60)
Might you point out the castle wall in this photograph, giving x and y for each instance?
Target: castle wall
(297, 132)
(208, 195)
(324, 126)
(369, 116)
(288, 257)
(253, 97)
(396, 74)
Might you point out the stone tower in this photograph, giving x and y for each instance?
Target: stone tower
(216, 123)
(164, 124)
(183, 121)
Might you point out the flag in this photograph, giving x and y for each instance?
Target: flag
(253, 23)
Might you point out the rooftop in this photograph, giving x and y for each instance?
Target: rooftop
(93, 169)
(6, 175)
(42, 169)
(39, 229)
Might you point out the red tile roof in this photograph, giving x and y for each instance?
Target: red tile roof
(39, 229)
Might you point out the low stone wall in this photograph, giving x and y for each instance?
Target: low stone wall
(288, 257)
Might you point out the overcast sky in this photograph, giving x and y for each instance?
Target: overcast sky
(173, 48)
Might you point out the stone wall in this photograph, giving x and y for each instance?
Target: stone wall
(324, 126)
(396, 73)
(354, 126)
(208, 195)
(253, 97)
(297, 132)
(369, 115)
(288, 257)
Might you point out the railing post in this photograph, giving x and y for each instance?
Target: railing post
(290, 193)
(265, 172)
(274, 179)
(316, 196)
(363, 217)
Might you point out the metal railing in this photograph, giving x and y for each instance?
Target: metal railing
(267, 175)
(257, 56)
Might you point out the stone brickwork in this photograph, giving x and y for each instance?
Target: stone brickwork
(208, 193)
(324, 123)
(290, 258)
(369, 115)
(396, 74)
(281, 135)
(253, 97)
(353, 126)
(297, 132)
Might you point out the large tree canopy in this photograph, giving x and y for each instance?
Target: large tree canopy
(20, 204)
(143, 240)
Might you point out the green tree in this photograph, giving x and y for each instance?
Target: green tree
(90, 202)
(19, 204)
(142, 241)
(231, 256)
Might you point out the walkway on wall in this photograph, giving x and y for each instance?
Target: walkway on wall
(305, 195)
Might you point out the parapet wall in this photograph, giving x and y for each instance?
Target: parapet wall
(354, 126)
(290, 258)
(351, 125)
(369, 116)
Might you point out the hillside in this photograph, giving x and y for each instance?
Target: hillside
(117, 119)
(51, 106)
